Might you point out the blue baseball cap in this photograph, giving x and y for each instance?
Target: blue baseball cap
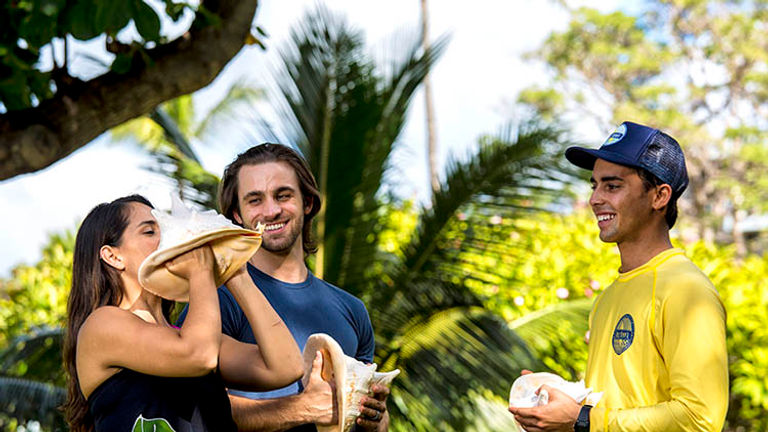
(638, 146)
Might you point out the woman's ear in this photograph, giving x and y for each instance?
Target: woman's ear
(109, 255)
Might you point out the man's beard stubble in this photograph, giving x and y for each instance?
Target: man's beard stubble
(284, 245)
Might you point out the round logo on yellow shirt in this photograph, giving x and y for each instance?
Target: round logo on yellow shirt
(623, 334)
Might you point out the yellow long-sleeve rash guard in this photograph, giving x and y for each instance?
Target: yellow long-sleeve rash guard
(657, 350)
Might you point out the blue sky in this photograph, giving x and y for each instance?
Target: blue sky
(474, 85)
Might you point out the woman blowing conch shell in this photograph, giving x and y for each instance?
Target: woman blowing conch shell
(183, 230)
(128, 368)
(353, 379)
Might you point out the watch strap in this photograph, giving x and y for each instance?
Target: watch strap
(582, 422)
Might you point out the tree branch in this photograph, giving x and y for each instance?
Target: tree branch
(35, 138)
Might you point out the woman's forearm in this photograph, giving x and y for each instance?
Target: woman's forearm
(280, 354)
(201, 331)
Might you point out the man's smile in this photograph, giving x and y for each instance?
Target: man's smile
(274, 227)
(604, 219)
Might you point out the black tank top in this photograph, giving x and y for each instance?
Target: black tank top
(130, 401)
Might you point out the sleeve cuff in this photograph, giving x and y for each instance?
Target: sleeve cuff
(598, 419)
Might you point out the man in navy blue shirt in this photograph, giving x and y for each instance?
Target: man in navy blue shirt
(272, 184)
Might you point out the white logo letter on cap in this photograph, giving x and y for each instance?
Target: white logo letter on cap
(616, 136)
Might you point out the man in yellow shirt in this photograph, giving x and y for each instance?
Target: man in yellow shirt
(657, 333)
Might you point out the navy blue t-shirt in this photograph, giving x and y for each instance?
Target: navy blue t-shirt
(312, 306)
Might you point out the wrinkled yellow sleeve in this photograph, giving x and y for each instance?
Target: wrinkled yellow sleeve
(690, 333)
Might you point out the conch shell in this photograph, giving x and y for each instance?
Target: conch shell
(523, 392)
(183, 230)
(353, 378)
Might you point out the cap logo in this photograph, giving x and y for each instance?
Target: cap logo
(617, 135)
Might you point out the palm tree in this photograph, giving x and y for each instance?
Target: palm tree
(168, 132)
(434, 179)
(35, 356)
(344, 112)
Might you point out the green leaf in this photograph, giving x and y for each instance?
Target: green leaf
(35, 355)
(51, 8)
(26, 399)
(122, 63)
(37, 29)
(175, 10)
(14, 93)
(80, 21)
(151, 425)
(112, 16)
(261, 31)
(147, 21)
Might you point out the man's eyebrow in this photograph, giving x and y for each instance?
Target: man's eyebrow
(284, 189)
(149, 222)
(257, 193)
(252, 194)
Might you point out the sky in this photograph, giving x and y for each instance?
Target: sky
(474, 86)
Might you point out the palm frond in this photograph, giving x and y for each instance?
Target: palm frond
(240, 97)
(520, 166)
(545, 321)
(434, 325)
(305, 79)
(32, 400)
(182, 111)
(448, 347)
(193, 182)
(491, 415)
(166, 134)
(321, 62)
(345, 117)
(142, 131)
(172, 133)
(447, 356)
(36, 355)
(358, 177)
(549, 330)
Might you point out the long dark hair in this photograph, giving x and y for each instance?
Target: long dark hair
(267, 152)
(94, 284)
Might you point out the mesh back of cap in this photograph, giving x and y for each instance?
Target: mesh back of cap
(664, 159)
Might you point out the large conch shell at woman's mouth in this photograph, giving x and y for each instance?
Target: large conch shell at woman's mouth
(353, 378)
(183, 230)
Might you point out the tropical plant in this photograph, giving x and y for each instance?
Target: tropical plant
(32, 380)
(169, 130)
(740, 284)
(344, 111)
(36, 296)
(541, 274)
(32, 309)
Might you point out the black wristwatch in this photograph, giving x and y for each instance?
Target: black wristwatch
(582, 423)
